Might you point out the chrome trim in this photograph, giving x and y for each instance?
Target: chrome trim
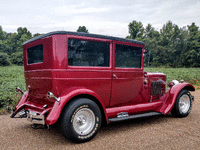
(122, 114)
(23, 114)
(184, 103)
(172, 83)
(45, 106)
(19, 90)
(175, 82)
(37, 119)
(50, 95)
(115, 76)
(134, 116)
(156, 73)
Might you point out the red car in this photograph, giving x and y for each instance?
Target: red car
(81, 80)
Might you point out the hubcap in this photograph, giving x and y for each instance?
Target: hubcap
(84, 121)
(184, 103)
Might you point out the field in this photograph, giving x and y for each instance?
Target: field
(13, 76)
(191, 75)
(10, 78)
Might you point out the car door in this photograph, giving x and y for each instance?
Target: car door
(127, 74)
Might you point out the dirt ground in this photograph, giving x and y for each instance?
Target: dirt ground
(155, 133)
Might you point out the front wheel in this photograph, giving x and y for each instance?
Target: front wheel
(182, 105)
(81, 120)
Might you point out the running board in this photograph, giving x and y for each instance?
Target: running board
(135, 116)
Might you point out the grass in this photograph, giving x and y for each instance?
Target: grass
(190, 75)
(10, 78)
(13, 76)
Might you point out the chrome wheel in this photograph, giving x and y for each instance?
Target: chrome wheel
(81, 120)
(184, 103)
(84, 121)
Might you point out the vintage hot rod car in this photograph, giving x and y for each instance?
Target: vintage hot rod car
(81, 80)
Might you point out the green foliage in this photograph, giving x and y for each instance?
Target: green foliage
(192, 55)
(2, 34)
(4, 59)
(37, 34)
(17, 58)
(136, 30)
(10, 78)
(11, 44)
(82, 29)
(13, 76)
(3, 111)
(22, 36)
(190, 75)
(172, 46)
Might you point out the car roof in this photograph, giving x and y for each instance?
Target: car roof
(83, 34)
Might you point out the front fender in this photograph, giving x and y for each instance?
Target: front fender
(58, 106)
(171, 96)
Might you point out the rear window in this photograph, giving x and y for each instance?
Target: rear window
(35, 54)
(88, 53)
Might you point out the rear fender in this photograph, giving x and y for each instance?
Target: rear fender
(20, 104)
(172, 95)
(65, 98)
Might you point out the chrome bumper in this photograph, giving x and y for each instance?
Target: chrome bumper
(37, 119)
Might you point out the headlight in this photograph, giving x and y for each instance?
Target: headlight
(172, 83)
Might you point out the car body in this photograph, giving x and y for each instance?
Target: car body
(84, 79)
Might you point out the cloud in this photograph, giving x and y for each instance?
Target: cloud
(100, 16)
(75, 9)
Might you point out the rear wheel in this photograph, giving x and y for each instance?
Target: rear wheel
(81, 120)
(182, 105)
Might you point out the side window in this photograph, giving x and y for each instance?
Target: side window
(35, 54)
(88, 53)
(128, 56)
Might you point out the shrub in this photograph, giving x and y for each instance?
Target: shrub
(17, 58)
(4, 59)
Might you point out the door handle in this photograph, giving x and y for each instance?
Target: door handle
(115, 76)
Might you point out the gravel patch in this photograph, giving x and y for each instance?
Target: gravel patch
(152, 133)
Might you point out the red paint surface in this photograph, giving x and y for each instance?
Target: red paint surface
(170, 97)
(124, 93)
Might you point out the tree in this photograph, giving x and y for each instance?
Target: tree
(2, 34)
(136, 31)
(11, 44)
(192, 54)
(22, 36)
(82, 29)
(172, 46)
(172, 40)
(37, 34)
(2, 40)
(151, 42)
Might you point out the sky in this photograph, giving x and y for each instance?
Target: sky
(106, 17)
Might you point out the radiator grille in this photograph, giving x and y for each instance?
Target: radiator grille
(156, 87)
